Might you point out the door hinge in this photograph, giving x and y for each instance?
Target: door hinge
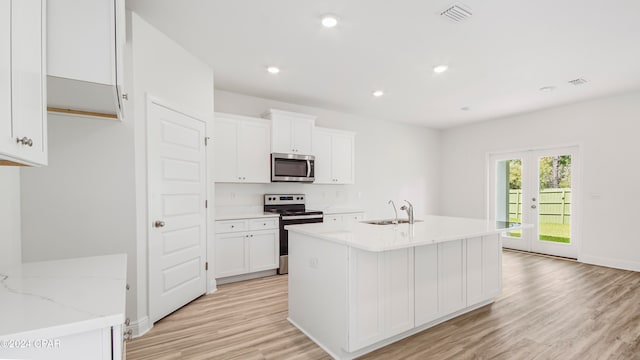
(206, 266)
(206, 140)
(206, 204)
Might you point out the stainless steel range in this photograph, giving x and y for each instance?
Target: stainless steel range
(291, 208)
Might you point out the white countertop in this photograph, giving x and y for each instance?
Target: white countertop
(433, 230)
(226, 215)
(333, 211)
(56, 298)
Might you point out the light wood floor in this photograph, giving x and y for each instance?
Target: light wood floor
(549, 309)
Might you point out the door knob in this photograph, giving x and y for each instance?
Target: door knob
(533, 206)
(158, 224)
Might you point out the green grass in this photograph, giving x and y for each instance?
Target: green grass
(560, 233)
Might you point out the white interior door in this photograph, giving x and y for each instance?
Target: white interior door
(177, 194)
(537, 187)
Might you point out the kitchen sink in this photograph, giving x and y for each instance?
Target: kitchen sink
(387, 221)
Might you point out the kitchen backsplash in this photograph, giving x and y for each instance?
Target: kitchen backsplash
(319, 197)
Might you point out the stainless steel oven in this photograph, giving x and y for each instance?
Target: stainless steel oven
(292, 168)
(291, 208)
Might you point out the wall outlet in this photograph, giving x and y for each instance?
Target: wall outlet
(313, 263)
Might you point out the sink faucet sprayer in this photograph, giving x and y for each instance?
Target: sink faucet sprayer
(394, 210)
(409, 211)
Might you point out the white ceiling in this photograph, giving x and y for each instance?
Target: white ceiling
(498, 59)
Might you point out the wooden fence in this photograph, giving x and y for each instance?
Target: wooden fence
(554, 205)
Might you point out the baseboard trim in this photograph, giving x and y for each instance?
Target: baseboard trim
(611, 263)
(243, 277)
(140, 327)
(213, 287)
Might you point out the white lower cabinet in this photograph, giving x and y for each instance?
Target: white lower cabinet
(381, 295)
(456, 274)
(483, 268)
(231, 254)
(246, 245)
(426, 279)
(451, 276)
(98, 344)
(263, 250)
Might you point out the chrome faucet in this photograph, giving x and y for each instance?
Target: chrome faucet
(394, 210)
(409, 211)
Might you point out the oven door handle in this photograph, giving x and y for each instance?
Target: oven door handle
(301, 217)
(308, 168)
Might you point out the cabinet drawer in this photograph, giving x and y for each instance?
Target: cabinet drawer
(263, 224)
(231, 226)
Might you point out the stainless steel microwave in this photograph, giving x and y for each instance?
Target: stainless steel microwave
(292, 168)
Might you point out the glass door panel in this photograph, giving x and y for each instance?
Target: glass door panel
(507, 195)
(554, 215)
(554, 209)
(536, 188)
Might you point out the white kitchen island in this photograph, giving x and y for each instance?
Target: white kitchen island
(359, 287)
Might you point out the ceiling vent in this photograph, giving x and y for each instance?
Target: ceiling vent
(457, 12)
(578, 81)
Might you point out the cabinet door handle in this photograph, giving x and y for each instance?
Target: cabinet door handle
(25, 141)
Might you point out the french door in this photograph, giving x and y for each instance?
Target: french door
(537, 187)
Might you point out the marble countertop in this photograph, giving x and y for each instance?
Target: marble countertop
(62, 297)
(337, 210)
(226, 215)
(432, 230)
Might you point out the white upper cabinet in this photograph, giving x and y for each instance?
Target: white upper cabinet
(85, 55)
(291, 133)
(241, 149)
(334, 151)
(23, 118)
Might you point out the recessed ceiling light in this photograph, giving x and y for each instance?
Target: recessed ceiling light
(273, 70)
(440, 69)
(547, 88)
(378, 93)
(329, 21)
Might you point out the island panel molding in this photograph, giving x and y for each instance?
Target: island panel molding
(351, 297)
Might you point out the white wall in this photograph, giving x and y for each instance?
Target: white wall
(606, 131)
(393, 161)
(162, 69)
(10, 254)
(83, 202)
